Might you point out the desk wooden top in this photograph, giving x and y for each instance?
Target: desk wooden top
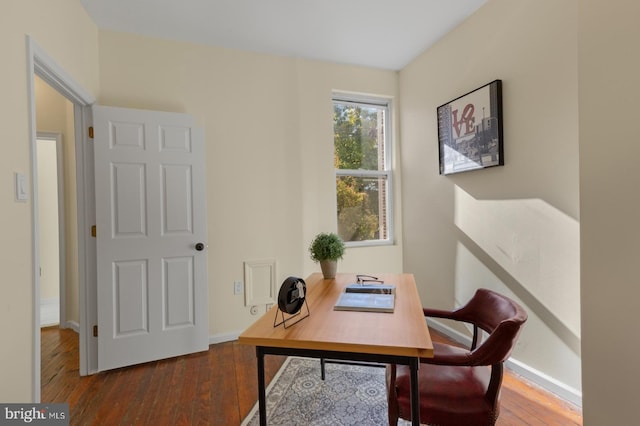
(403, 332)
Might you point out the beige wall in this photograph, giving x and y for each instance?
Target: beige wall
(513, 228)
(315, 82)
(65, 32)
(48, 229)
(609, 66)
(54, 113)
(530, 45)
(269, 151)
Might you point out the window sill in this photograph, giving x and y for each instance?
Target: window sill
(368, 243)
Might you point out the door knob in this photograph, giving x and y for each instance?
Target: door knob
(199, 246)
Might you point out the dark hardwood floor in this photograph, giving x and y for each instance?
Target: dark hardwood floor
(217, 387)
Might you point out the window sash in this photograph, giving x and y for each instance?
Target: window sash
(382, 182)
(362, 101)
(364, 173)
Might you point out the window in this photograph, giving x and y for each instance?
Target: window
(362, 129)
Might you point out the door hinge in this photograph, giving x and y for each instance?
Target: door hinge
(91, 132)
(95, 331)
(94, 231)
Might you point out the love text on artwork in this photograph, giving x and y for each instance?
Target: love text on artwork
(466, 120)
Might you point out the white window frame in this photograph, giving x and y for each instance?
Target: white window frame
(387, 172)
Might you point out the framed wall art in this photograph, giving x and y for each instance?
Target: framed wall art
(470, 130)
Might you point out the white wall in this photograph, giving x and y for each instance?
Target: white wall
(65, 32)
(515, 228)
(269, 152)
(609, 66)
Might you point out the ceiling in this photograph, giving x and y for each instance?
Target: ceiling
(384, 34)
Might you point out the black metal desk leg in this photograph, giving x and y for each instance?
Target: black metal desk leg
(262, 399)
(415, 392)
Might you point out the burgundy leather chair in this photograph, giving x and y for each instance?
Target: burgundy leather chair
(460, 386)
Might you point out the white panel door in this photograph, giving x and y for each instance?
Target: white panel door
(151, 236)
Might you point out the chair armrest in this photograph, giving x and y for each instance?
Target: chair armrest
(436, 313)
(456, 315)
(444, 354)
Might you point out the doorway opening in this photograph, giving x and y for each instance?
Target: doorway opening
(41, 65)
(51, 221)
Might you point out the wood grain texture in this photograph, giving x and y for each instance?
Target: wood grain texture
(403, 332)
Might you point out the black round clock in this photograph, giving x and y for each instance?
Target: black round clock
(292, 294)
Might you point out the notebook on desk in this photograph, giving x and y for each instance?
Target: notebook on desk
(370, 288)
(366, 302)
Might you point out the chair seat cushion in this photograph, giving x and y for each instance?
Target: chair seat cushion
(449, 395)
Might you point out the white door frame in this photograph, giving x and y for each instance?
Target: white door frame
(62, 291)
(41, 64)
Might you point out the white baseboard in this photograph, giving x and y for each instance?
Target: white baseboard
(49, 312)
(72, 325)
(554, 386)
(224, 337)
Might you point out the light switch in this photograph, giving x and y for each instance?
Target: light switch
(22, 190)
(237, 287)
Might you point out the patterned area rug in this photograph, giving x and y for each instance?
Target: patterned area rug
(349, 395)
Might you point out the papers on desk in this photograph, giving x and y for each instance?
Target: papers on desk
(367, 302)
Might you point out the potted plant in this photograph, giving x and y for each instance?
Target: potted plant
(327, 248)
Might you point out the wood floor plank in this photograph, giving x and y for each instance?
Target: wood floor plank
(224, 392)
(217, 387)
(202, 405)
(161, 410)
(188, 390)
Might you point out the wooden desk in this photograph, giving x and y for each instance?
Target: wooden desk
(401, 337)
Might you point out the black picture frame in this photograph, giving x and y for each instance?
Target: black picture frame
(470, 130)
